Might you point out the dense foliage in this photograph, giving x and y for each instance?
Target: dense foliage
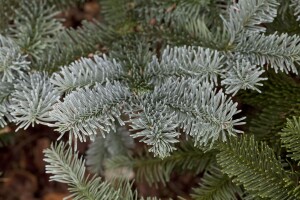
(209, 86)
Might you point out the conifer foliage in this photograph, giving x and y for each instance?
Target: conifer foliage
(175, 75)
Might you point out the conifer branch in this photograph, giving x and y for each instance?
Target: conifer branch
(12, 63)
(162, 91)
(178, 13)
(87, 72)
(156, 126)
(3, 113)
(195, 9)
(85, 111)
(216, 38)
(281, 52)
(290, 137)
(241, 74)
(215, 185)
(35, 27)
(114, 144)
(296, 5)
(6, 88)
(278, 101)
(154, 170)
(67, 167)
(201, 111)
(32, 100)
(72, 44)
(115, 11)
(255, 166)
(199, 63)
(248, 15)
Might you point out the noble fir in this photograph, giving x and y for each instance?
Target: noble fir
(209, 86)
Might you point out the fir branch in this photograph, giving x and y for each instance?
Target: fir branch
(290, 137)
(154, 170)
(199, 63)
(281, 52)
(72, 44)
(87, 72)
(248, 196)
(296, 5)
(114, 144)
(178, 12)
(84, 111)
(175, 93)
(6, 88)
(255, 166)
(278, 101)
(32, 100)
(6, 41)
(13, 64)
(156, 126)
(203, 112)
(193, 9)
(35, 27)
(248, 15)
(215, 185)
(205, 36)
(115, 12)
(242, 75)
(152, 9)
(3, 114)
(202, 21)
(69, 169)
(134, 52)
(286, 21)
(189, 10)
